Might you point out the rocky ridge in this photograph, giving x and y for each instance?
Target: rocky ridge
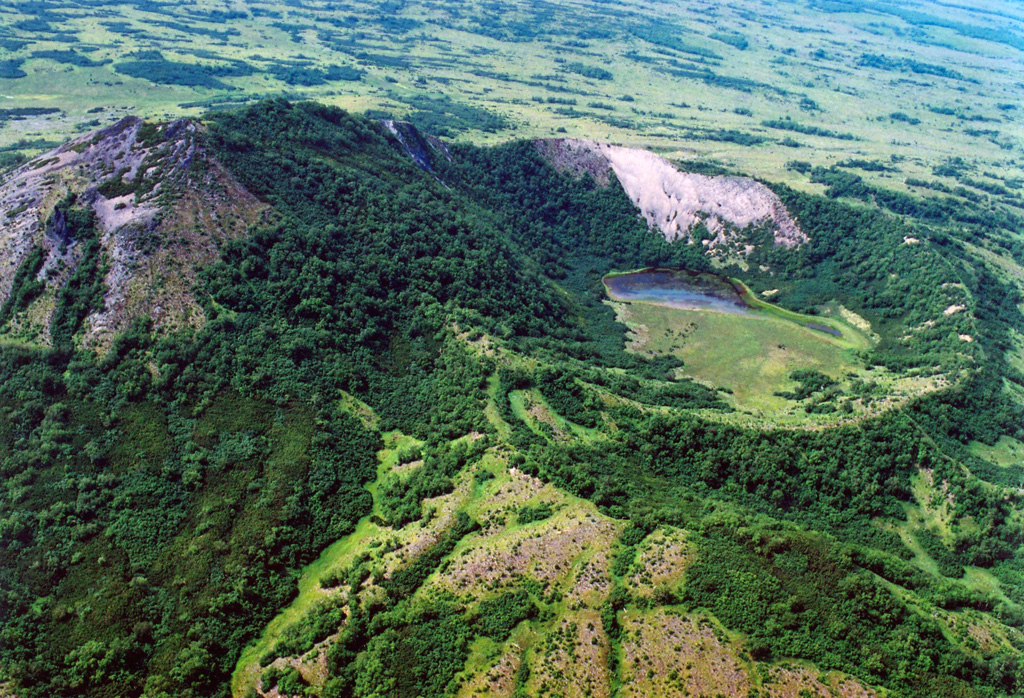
(162, 208)
(423, 149)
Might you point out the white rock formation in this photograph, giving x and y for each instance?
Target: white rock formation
(675, 202)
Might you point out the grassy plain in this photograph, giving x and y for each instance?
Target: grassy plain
(752, 356)
(871, 84)
(1007, 452)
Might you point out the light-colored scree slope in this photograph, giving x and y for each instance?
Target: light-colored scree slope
(675, 202)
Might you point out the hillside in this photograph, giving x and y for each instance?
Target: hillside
(403, 445)
(111, 228)
(677, 202)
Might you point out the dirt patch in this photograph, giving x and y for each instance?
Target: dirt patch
(576, 157)
(794, 681)
(499, 681)
(638, 334)
(502, 506)
(156, 254)
(661, 562)
(592, 582)
(669, 654)
(540, 414)
(418, 537)
(857, 321)
(406, 468)
(545, 551)
(163, 207)
(572, 660)
(847, 687)
(985, 637)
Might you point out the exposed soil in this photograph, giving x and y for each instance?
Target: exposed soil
(676, 202)
(572, 661)
(668, 654)
(795, 681)
(661, 562)
(499, 681)
(544, 551)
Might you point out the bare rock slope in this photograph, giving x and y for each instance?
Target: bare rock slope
(422, 148)
(676, 202)
(162, 206)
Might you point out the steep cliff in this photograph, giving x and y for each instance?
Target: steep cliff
(675, 202)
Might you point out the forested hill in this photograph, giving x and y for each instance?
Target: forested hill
(413, 451)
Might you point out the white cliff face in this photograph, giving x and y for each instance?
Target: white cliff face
(675, 202)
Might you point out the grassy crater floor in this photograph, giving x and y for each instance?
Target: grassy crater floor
(752, 357)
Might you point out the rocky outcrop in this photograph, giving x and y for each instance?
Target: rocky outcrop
(163, 207)
(676, 202)
(421, 148)
(577, 157)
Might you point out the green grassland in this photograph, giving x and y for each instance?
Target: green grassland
(849, 336)
(892, 94)
(1007, 452)
(753, 357)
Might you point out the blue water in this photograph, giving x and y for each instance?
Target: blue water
(677, 289)
(823, 328)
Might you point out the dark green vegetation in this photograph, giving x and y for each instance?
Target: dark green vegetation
(299, 74)
(151, 65)
(809, 382)
(83, 292)
(161, 499)
(25, 286)
(444, 117)
(788, 124)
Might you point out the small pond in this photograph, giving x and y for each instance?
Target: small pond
(681, 289)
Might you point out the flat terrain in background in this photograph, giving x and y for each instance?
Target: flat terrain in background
(889, 89)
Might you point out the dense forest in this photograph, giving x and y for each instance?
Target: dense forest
(161, 499)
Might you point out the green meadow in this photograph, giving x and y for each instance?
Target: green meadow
(751, 356)
(1006, 453)
(757, 359)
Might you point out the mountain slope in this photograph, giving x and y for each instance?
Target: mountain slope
(157, 205)
(411, 439)
(674, 201)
